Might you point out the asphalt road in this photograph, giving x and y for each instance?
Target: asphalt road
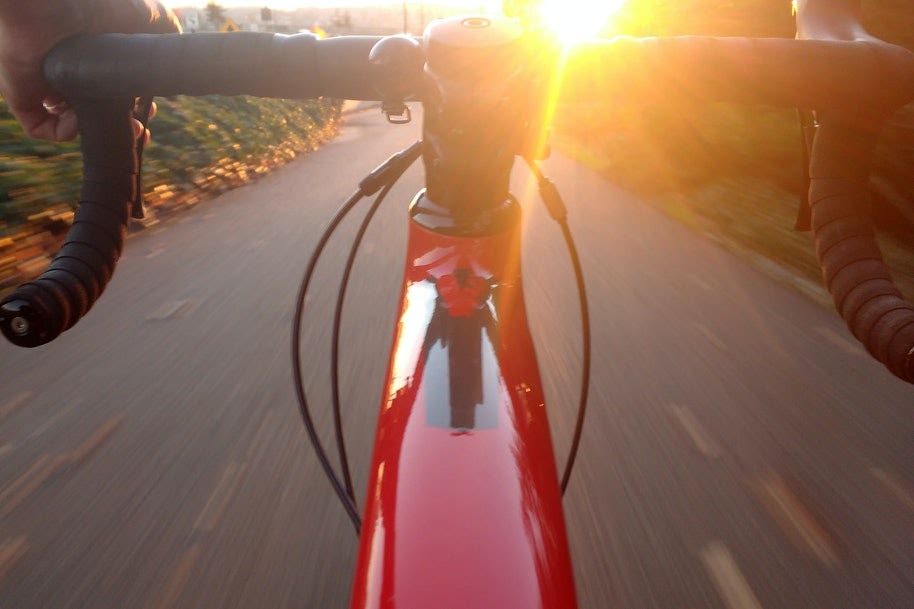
(741, 452)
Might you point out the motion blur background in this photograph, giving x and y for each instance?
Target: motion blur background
(741, 451)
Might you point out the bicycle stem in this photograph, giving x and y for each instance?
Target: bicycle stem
(480, 95)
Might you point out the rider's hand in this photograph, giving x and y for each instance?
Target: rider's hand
(28, 30)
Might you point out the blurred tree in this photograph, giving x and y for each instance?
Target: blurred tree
(266, 14)
(215, 14)
(342, 19)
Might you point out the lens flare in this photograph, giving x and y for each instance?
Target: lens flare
(574, 20)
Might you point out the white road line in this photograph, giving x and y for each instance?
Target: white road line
(44, 427)
(260, 434)
(704, 285)
(154, 253)
(18, 491)
(710, 336)
(15, 404)
(178, 580)
(168, 309)
(730, 583)
(697, 433)
(91, 444)
(840, 341)
(796, 520)
(894, 487)
(11, 552)
(34, 477)
(218, 501)
(172, 309)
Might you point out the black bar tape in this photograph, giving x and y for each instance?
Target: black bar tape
(102, 215)
(889, 324)
(843, 228)
(855, 274)
(901, 358)
(50, 298)
(252, 63)
(85, 256)
(56, 295)
(109, 191)
(106, 240)
(39, 311)
(834, 256)
(868, 316)
(840, 206)
(849, 76)
(83, 273)
(77, 296)
(855, 277)
(855, 295)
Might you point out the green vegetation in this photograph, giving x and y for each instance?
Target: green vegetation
(734, 172)
(199, 146)
(191, 138)
(215, 14)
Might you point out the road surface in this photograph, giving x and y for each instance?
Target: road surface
(741, 452)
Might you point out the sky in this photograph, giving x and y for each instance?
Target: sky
(291, 4)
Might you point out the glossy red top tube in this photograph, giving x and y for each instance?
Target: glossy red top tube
(463, 508)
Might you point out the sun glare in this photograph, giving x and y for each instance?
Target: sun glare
(577, 19)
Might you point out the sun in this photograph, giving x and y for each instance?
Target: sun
(574, 20)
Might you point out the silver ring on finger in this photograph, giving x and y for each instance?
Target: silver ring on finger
(55, 108)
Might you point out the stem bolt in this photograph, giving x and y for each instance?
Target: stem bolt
(20, 326)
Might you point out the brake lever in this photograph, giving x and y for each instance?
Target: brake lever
(808, 127)
(397, 59)
(141, 112)
(397, 112)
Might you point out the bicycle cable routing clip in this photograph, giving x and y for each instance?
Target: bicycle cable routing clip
(141, 112)
(398, 60)
(397, 113)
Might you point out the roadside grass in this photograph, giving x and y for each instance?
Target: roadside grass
(200, 147)
(735, 173)
(732, 173)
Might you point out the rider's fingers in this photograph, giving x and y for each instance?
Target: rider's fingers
(139, 131)
(132, 16)
(42, 123)
(54, 104)
(138, 128)
(153, 109)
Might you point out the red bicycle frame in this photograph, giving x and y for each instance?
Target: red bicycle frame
(463, 507)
